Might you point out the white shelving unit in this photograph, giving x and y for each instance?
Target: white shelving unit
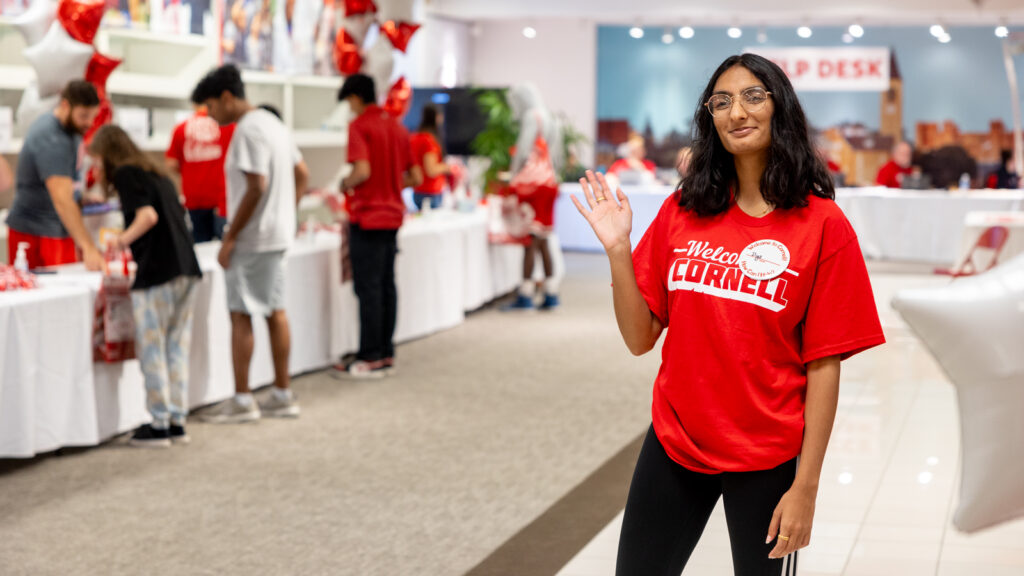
(159, 72)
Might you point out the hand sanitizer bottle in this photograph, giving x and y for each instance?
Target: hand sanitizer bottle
(21, 260)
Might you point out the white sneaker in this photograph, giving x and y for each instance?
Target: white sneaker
(231, 411)
(275, 407)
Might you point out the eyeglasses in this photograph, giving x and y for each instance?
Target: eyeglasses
(752, 99)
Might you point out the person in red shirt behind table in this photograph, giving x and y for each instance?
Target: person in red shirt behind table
(198, 147)
(635, 159)
(426, 153)
(378, 149)
(758, 280)
(892, 173)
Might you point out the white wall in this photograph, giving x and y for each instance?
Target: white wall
(440, 54)
(561, 61)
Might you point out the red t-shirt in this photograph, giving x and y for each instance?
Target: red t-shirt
(888, 174)
(622, 164)
(729, 396)
(421, 144)
(377, 137)
(199, 145)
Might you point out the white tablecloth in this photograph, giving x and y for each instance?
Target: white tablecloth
(575, 234)
(52, 395)
(910, 225)
(918, 225)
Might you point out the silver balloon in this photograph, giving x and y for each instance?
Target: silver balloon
(35, 21)
(397, 10)
(358, 26)
(32, 107)
(58, 58)
(379, 63)
(975, 329)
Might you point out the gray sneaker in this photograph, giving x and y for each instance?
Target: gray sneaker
(231, 411)
(273, 406)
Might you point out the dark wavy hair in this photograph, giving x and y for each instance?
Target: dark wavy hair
(794, 168)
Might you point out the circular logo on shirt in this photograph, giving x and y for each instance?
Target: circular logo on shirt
(764, 259)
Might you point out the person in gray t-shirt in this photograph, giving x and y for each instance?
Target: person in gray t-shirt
(44, 213)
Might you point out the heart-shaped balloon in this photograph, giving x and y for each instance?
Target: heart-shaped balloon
(35, 21)
(399, 98)
(105, 115)
(99, 70)
(346, 54)
(353, 7)
(57, 59)
(380, 63)
(81, 18)
(399, 33)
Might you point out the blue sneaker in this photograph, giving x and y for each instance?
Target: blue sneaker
(521, 303)
(550, 302)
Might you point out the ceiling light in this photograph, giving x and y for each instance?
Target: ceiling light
(945, 39)
(734, 32)
(667, 38)
(530, 32)
(856, 30)
(636, 32)
(686, 32)
(847, 38)
(804, 32)
(1002, 31)
(937, 30)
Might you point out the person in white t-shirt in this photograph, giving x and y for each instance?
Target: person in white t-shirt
(265, 176)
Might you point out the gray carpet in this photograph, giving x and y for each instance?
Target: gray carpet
(485, 427)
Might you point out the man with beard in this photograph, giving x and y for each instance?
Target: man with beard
(45, 214)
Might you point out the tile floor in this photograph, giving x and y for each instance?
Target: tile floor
(889, 484)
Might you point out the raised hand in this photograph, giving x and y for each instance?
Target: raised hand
(611, 220)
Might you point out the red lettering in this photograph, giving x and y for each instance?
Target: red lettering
(714, 276)
(695, 271)
(825, 68)
(802, 66)
(732, 278)
(875, 68)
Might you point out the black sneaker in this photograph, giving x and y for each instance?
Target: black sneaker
(148, 437)
(178, 435)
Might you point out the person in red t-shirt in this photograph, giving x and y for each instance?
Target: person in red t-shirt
(892, 173)
(758, 280)
(378, 149)
(426, 153)
(197, 151)
(634, 160)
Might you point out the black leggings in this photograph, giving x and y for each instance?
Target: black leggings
(669, 506)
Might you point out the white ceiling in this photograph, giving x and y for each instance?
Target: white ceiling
(739, 12)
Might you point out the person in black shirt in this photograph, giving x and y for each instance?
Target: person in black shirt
(164, 290)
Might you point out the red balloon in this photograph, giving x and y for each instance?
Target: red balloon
(353, 7)
(81, 18)
(399, 98)
(399, 33)
(105, 116)
(346, 54)
(99, 70)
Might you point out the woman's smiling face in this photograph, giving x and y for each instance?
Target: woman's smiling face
(743, 131)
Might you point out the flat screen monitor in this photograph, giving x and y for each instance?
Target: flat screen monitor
(463, 119)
